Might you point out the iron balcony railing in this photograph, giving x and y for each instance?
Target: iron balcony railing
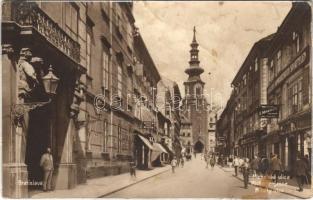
(29, 14)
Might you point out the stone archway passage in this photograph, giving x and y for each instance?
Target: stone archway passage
(198, 147)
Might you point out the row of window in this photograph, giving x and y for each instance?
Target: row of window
(185, 134)
(276, 63)
(99, 138)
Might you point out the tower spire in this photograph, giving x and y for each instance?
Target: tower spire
(194, 68)
(194, 34)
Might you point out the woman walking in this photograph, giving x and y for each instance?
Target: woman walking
(212, 162)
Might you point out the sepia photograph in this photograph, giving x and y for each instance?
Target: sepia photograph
(156, 99)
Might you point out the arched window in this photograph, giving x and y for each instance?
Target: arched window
(198, 89)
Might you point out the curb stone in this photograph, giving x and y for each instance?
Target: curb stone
(139, 181)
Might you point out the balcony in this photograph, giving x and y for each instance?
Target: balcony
(28, 14)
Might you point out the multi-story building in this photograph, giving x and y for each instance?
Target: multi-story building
(164, 103)
(289, 66)
(148, 151)
(250, 85)
(39, 110)
(275, 79)
(172, 112)
(104, 143)
(194, 104)
(212, 118)
(186, 134)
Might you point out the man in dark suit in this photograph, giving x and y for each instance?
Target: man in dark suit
(46, 163)
(300, 170)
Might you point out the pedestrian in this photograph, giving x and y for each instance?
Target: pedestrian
(178, 162)
(264, 166)
(173, 164)
(300, 172)
(230, 161)
(132, 166)
(308, 164)
(276, 167)
(182, 162)
(236, 165)
(245, 172)
(46, 162)
(212, 162)
(255, 166)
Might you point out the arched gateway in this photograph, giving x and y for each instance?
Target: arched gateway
(198, 147)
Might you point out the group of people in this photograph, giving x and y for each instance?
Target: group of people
(265, 167)
(210, 159)
(177, 162)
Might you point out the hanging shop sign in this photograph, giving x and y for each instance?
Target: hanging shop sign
(268, 111)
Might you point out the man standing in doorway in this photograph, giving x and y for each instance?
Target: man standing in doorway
(46, 163)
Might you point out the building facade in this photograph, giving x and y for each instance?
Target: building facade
(186, 135)
(290, 86)
(275, 79)
(212, 119)
(250, 85)
(194, 104)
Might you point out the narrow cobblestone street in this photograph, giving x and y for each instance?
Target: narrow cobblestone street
(194, 180)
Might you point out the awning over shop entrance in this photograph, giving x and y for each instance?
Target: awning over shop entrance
(159, 147)
(146, 141)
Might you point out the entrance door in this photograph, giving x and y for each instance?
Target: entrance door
(37, 141)
(198, 148)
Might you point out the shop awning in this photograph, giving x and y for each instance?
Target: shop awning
(146, 141)
(159, 147)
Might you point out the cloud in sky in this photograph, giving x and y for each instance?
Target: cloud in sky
(226, 31)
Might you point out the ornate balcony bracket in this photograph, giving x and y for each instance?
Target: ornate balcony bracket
(19, 110)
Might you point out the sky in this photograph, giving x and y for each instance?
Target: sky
(226, 31)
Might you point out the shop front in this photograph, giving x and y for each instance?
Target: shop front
(297, 137)
(250, 144)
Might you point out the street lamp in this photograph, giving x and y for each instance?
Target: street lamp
(50, 83)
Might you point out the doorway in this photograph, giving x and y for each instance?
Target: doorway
(37, 141)
(198, 148)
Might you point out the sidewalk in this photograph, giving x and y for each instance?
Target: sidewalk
(289, 188)
(100, 187)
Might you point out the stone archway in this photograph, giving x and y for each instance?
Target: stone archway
(198, 147)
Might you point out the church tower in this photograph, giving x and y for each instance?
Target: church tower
(194, 102)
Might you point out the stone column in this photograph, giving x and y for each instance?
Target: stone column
(67, 171)
(15, 176)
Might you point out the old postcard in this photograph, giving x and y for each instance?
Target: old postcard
(156, 99)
